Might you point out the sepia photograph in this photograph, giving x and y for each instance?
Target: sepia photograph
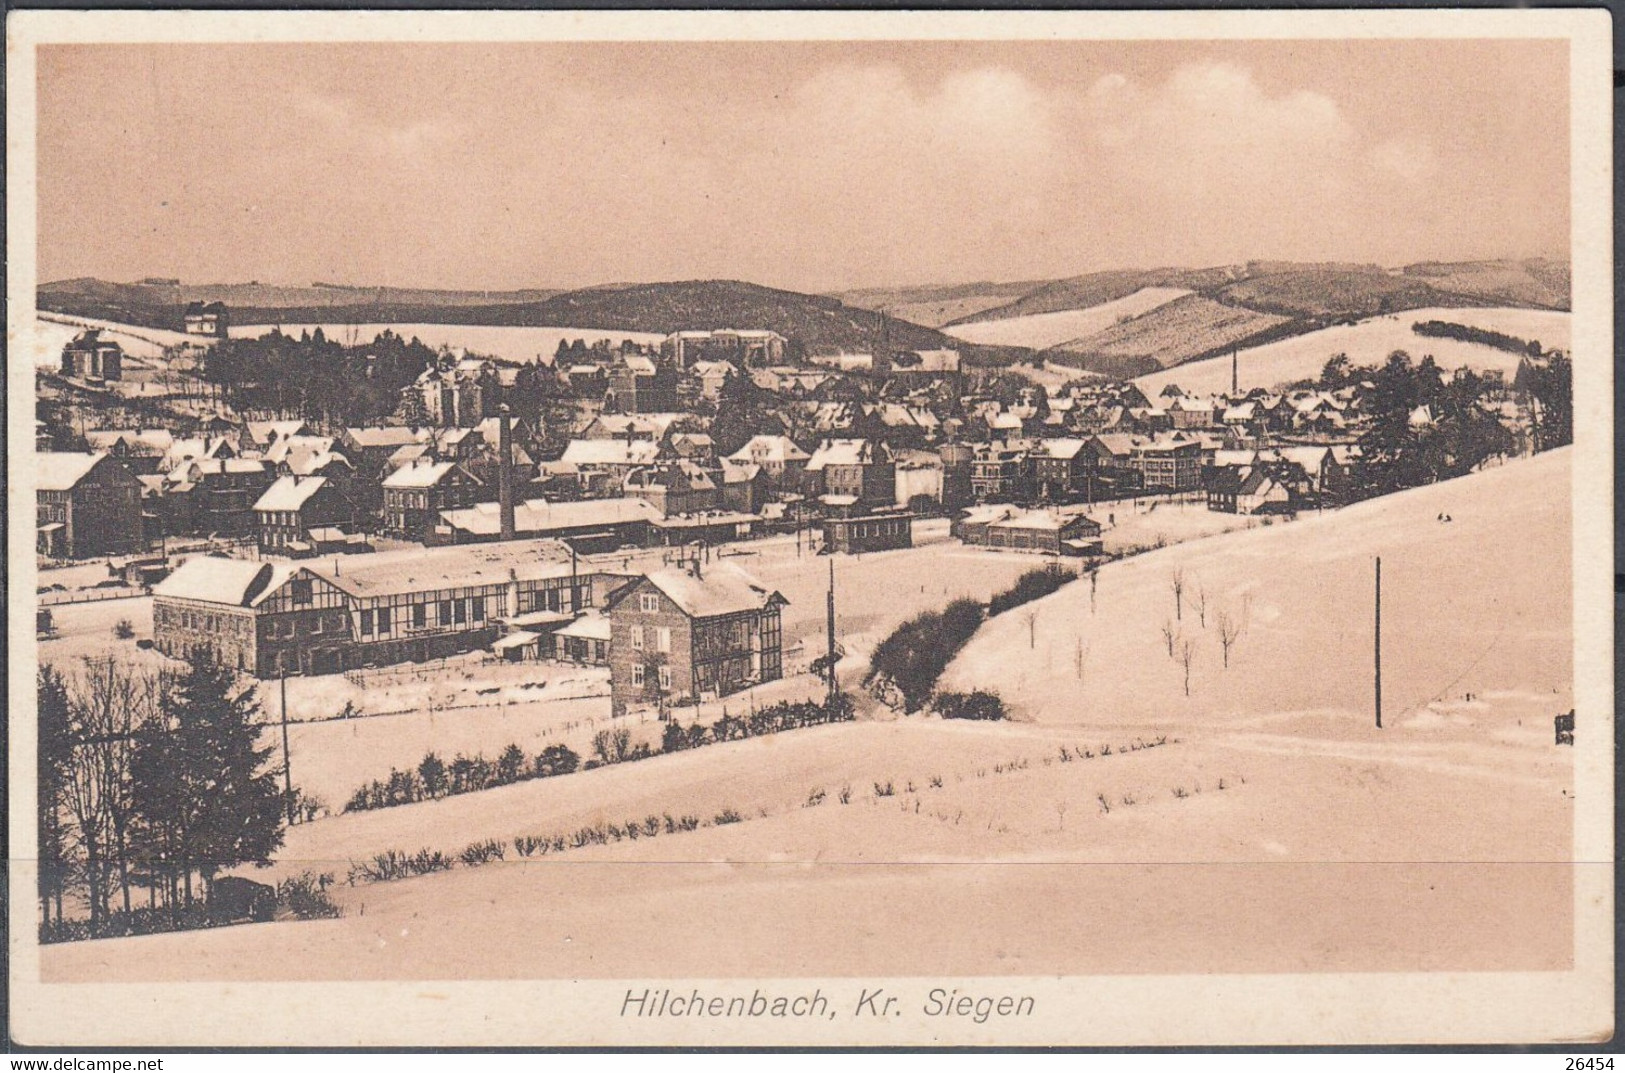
(810, 529)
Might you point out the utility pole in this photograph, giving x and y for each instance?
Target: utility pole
(830, 670)
(287, 771)
(1378, 646)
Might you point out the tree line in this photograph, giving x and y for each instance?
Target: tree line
(1426, 425)
(151, 782)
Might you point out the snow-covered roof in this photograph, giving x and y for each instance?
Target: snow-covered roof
(770, 449)
(538, 516)
(457, 566)
(290, 493)
(590, 626)
(845, 453)
(610, 453)
(383, 436)
(262, 431)
(218, 580)
(719, 590)
(1067, 448)
(419, 475)
(58, 471)
(151, 439)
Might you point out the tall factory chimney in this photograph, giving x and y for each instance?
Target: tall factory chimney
(505, 473)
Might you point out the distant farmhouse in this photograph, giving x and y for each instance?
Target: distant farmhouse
(210, 320)
(90, 357)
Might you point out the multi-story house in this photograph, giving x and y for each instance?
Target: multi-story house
(294, 506)
(862, 469)
(1000, 474)
(87, 505)
(90, 357)
(415, 495)
(640, 385)
(681, 635)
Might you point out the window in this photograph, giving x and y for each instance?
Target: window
(445, 612)
(420, 616)
(459, 610)
(366, 623)
(665, 678)
(383, 619)
(477, 608)
(637, 674)
(663, 639)
(637, 637)
(649, 602)
(317, 626)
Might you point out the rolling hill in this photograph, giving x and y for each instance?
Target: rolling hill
(813, 321)
(1171, 334)
(1369, 342)
(1041, 330)
(935, 306)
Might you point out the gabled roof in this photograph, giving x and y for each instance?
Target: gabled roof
(847, 453)
(261, 431)
(1064, 448)
(540, 516)
(424, 475)
(719, 590)
(217, 580)
(769, 449)
(383, 436)
(287, 444)
(610, 453)
(290, 493)
(156, 440)
(59, 471)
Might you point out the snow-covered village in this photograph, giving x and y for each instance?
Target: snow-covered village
(383, 626)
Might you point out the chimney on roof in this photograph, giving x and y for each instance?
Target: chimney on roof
(505, 474)
(694, 564)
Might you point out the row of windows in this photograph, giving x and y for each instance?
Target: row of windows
(287, 629)
(462, 612)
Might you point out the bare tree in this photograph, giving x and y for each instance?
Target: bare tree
(1187, 655)
(1229, 632)
(107, 702)
(1168, 637)
(1177, 582)
(1031, 618)
(1094, 583)
(1201, 605)
(1079, 652)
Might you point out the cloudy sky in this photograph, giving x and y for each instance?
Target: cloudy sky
(808, 166)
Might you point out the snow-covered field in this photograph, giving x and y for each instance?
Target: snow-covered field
(1369, 343)
(517, 344)
(47, 333)
(1274, 831)
(1040, 330)
(1479, 605)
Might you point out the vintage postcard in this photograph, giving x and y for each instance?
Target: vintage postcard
(699, 529)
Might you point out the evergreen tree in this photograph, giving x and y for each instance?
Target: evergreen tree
(54, 753)
(206, 797)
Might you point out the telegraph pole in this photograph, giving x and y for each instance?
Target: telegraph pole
(830, 670)
(287, 772)
(1377, 653)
